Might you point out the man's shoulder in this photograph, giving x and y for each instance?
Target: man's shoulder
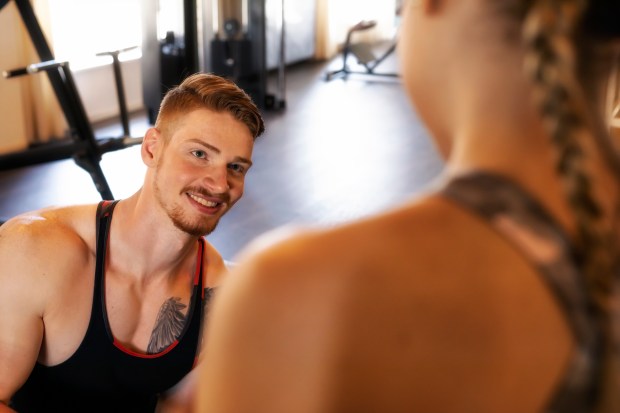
(214, 265)
(42, 254)
(65, 231)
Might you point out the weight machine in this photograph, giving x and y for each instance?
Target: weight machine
(224, 37)
(81, 145)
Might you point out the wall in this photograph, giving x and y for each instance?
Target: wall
(14, 129)
(98, 90)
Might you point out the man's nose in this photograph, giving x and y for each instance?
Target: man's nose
(216, 179)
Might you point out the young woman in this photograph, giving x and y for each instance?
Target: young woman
(495, 290)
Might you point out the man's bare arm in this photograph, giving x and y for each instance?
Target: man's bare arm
(21, 311)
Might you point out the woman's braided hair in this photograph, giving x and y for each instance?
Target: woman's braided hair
(556, 34)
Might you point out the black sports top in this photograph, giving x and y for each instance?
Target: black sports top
(524, 223)
(104, 376)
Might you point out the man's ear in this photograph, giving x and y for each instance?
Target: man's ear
(151, 146)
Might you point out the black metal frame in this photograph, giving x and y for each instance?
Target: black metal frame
(120, 88)
(158, 77)
(82, 146)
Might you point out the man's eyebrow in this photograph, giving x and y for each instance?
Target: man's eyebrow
(243, 160)
(206, 145)
(217, 150)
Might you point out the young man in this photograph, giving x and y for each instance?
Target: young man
(101, 305)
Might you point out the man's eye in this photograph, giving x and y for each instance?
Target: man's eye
(237, 168)
(199, 154)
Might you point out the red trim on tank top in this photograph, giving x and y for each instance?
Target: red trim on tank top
(103, 206)
(172, 345)
(124, 349)
(198, 271)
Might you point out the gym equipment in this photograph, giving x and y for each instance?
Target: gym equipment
(234, 47)
(81, 145)
(167, 61)
(232, 57)
(363, 52)
(120, 88)
(241, 53)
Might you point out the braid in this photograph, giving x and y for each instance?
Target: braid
(549, 35)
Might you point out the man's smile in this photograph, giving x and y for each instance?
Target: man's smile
(203, 201)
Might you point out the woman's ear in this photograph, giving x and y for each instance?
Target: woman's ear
(151, 145)
(426, 6)
(432, 6)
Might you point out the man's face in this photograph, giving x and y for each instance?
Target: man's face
(200, 171)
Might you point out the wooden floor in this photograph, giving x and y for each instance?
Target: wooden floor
(340, 150)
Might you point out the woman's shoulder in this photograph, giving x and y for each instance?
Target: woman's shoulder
(429, 246)
(425, 229)
(418, 297)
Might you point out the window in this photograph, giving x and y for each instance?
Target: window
(82, 28)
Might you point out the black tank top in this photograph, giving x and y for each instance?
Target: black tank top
(526, 224)
(104, 376)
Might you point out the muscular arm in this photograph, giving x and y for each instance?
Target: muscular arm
(21, 309)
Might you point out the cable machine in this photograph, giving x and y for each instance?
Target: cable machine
(227, 38)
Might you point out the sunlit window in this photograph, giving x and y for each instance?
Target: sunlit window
(169, 18)
(82, 28)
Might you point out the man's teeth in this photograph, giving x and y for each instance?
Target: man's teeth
(203, 201)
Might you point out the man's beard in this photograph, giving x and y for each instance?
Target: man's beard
(196, 229)
(203, 227)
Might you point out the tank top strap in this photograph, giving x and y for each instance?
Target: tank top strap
(523, 222)
(104, 218)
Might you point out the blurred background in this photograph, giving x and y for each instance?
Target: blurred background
(84, 78)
